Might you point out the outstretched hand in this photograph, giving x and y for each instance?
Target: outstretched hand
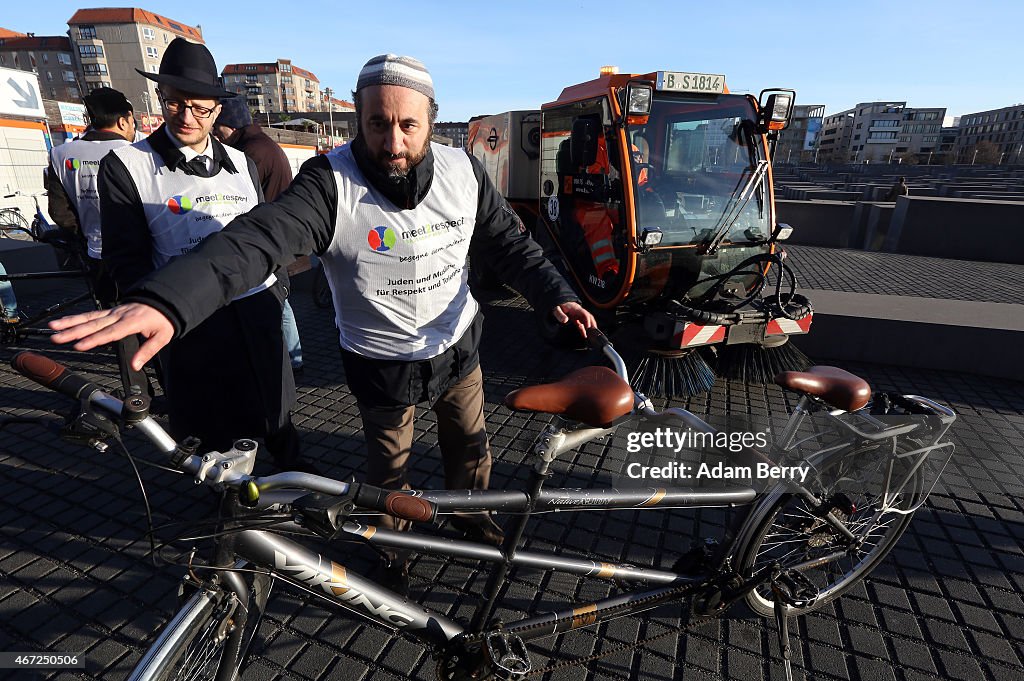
(93, 329)
(576, 314)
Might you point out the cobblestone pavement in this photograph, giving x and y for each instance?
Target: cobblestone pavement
(76, 576)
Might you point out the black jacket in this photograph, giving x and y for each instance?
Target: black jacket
(302, 220)
(271, 162)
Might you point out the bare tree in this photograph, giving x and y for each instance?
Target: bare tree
(908, 158)
(986, 151)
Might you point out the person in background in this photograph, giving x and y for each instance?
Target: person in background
(235, 128)
(74, 201)
(899, 188)
(8, 301)
(228, 378)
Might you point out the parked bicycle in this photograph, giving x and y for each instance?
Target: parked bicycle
(70, 257)
(13, 224)
(791, 550)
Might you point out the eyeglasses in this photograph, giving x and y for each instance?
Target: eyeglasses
(176, 106)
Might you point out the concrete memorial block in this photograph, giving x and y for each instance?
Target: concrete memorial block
(818, 223)
(869, 224)
(831, 195)
(965, 229)
(877, 225)
(911, 331)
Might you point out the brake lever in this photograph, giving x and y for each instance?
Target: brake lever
(323, 513)
(87, 427)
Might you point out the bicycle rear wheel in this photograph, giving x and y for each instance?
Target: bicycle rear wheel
(784, 529)
(209, 637)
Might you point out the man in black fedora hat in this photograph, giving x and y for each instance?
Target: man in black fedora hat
(229, 377)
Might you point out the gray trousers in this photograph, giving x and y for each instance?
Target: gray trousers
(461, 436)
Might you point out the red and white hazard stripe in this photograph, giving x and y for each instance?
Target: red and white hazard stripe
(696, 334)
(783, 326)
(692, 335)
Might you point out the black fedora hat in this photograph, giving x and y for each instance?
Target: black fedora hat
(189, 67)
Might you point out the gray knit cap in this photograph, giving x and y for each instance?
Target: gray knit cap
(390, 69)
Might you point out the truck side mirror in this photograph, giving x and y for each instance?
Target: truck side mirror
(583, 142)
(776, 109)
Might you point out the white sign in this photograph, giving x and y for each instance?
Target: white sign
(709, 83)
(72, 114)
(20, 94)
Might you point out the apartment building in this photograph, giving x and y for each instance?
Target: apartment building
(49, 57)
(799, 140)
(458, 133)
(110, 43)
(834, 140)
(880, 132)
(1002, 127)
(275, 87)
(920, 134)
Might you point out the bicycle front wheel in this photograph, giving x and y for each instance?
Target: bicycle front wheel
(207, 639)
(785, 531)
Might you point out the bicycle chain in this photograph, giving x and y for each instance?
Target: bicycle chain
(479, 638)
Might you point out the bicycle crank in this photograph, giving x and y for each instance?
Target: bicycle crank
(500, 656)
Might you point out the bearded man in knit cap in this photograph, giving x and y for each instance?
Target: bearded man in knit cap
(384, 212)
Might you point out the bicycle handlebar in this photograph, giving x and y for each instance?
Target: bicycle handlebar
(598, 341)
(397, 504)
(56, 376)
(53, 375)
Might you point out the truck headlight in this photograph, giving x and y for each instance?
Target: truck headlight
(649, 238)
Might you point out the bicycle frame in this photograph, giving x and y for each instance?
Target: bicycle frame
(714, 581)
(290, 561)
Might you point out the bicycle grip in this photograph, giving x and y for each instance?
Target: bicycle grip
(53, 375)
(596, 339)
(397, 504)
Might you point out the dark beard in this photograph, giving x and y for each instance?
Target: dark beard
(387, 164)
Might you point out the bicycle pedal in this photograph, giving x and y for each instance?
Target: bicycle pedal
(507, 655)
(794, 589)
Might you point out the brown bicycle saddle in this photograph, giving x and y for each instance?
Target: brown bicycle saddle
(839, 388)
(592, 395)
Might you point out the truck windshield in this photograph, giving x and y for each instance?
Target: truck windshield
(692, 166)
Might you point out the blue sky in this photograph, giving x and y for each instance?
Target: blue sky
(488, 57)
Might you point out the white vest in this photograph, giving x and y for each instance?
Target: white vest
(398, 277)
(181, 209)
(77, 164)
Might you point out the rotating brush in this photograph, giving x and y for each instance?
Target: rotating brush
(758, 364)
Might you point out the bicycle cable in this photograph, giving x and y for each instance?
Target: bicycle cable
(145, 497)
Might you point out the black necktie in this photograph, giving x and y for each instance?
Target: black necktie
(198, 167)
